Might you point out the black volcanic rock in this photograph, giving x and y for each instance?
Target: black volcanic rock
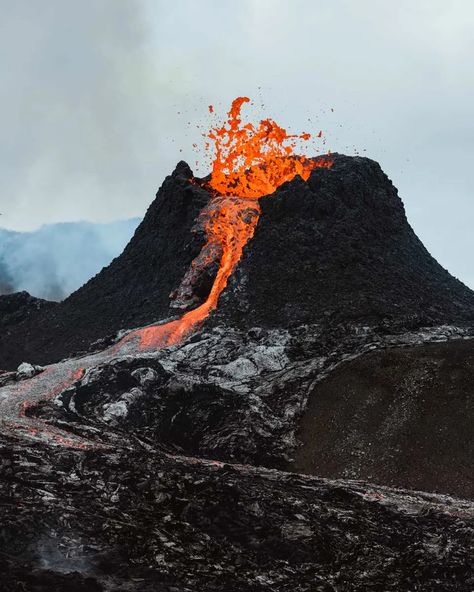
(393, 409)
(339, 248)
(401, 417)
(19, 307)
(132, 291)
(144, 521)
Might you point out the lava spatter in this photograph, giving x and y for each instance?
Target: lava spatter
(253, 161)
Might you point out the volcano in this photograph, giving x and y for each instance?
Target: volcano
(276, 320)
(332, 244)
(334, 249)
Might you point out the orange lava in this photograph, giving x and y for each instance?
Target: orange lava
(250, 162)
(230, 225)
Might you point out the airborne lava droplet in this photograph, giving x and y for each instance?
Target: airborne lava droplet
(250, 162)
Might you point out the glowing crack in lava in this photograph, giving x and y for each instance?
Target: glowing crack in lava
(250, 162)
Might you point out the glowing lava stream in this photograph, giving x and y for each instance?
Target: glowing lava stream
(250, 162)
(230, 225)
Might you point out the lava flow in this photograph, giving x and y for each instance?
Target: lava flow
(250, 162)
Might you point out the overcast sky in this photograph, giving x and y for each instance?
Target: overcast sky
(100, 98)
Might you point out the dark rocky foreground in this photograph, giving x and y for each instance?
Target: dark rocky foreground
(131, 519)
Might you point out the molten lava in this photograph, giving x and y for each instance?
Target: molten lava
(230, 225)
(250, 162)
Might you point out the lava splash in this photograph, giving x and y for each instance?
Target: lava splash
(249, 162)
(253, 161)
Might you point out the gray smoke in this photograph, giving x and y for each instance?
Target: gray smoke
(64, 552)
(56, 259)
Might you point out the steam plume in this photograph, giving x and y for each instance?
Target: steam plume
(56, 259)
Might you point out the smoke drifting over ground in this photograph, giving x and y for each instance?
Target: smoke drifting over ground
(57, 259)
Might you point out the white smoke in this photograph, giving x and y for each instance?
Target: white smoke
(56, 259)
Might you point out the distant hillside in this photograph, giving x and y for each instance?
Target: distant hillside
(55, 260)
